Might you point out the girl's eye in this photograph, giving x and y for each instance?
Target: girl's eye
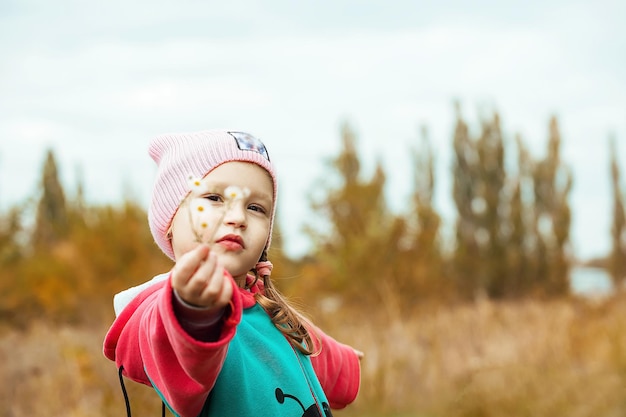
(256, 207)
(213, 197)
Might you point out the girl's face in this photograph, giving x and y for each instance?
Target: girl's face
(239, 228)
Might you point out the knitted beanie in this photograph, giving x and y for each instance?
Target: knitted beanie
(180, 155)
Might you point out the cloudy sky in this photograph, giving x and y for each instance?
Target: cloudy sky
(96, 80)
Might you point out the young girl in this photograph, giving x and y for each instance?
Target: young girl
(213, 336)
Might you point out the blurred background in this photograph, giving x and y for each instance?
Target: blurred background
(459, 167)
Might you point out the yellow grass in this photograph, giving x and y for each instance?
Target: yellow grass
(529, 358)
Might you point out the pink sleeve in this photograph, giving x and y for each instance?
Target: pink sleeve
(149, 342)
(337, 367)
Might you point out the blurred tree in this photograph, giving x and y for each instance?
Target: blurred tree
(38, 283)
(418, 274)
(11, 253)
(82, 255)
(481, 200)
(552, 183)
(466, 254)
(507, 243)
(109, 248)
(360, 245)
(10, 230)
(114, 249)
(490, 207)
(519, 228)
(78, 206)
(51, 223)
(617, 258)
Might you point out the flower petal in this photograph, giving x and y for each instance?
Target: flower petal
(233, 192)
(197, 186)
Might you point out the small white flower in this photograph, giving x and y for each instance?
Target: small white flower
(196, 185)
(199, 206)
(199, 210)
(234, 193)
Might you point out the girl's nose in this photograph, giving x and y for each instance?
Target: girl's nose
(235, 214)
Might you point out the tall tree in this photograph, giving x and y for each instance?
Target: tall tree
(466, 253)
(480, 197)
(51, 219)
(519, 228)
(419, 272)
(617, 259)
(552, 183)
(357, 248)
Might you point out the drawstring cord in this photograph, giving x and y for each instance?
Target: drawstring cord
(126, 400)
(124, 391)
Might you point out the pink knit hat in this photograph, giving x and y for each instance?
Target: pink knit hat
(180, 155)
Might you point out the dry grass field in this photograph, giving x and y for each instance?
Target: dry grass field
(528, 358)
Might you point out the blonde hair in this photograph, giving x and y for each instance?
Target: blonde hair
(285, 317)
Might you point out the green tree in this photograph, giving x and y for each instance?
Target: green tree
(51, 223)
(617, 258)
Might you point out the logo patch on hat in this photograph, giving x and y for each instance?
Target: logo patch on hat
(247, 142)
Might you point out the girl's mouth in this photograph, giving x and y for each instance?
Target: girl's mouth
(231, 242)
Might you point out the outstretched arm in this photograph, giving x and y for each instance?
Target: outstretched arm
(148, 340)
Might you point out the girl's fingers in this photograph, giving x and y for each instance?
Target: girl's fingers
(202, 276)
(188, 264)
(207, 286)
(220, 289)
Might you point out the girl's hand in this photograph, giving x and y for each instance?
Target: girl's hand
(199, 279)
